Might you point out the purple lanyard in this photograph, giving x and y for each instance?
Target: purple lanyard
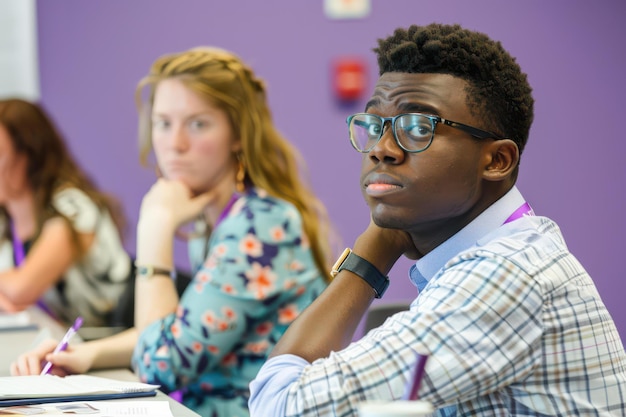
(19, 256)
(523, 210)
(18, 247)
(227, 208)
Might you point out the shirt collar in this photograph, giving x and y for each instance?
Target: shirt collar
(490, 219)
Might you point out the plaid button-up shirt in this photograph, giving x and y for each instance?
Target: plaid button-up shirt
(512, 324)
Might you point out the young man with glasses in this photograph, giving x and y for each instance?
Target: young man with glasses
(510, 321)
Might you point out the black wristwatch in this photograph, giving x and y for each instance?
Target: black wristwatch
(363, 268)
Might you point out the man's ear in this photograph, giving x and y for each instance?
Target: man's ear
(502, 158)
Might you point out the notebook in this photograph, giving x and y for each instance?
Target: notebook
(37, 389)
(16, 321)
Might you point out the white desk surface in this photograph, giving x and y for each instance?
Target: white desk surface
(15, 342)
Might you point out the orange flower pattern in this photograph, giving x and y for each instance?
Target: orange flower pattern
(251, 279)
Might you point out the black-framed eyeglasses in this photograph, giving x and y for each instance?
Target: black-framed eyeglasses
(413, 132)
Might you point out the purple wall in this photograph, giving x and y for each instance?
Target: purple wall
(93, 53)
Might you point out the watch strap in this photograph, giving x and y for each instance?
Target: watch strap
(364, 269)
(148, 271)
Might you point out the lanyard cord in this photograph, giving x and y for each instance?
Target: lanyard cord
(523, 210)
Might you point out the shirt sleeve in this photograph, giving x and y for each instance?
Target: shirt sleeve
(6, 247)
(249, 265)
(79, 208)
(268, 391)
(6, 255)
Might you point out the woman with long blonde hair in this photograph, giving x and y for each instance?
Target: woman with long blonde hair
(259, 249)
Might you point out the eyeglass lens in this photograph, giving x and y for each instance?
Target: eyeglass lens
(413, 132)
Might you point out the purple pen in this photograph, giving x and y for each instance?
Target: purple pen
(63, 343)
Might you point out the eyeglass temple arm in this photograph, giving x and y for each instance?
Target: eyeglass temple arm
(479, 133)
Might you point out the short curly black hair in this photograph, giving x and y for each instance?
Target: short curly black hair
(498, 90)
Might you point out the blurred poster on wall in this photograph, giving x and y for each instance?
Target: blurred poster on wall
(19, 69)
(347, 9)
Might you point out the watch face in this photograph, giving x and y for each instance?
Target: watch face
(144, 270)
(335, 270)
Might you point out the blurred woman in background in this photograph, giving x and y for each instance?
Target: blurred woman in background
(60, 244)
(259, 247)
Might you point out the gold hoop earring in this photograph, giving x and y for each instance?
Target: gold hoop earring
(240, 185)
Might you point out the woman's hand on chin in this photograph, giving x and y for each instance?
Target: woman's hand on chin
(171, 203)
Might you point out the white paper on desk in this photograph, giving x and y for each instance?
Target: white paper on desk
(42, 386)
(117, 409)
(17, 320)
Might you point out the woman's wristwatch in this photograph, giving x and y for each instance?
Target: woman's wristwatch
(363, 268)
(149, 271)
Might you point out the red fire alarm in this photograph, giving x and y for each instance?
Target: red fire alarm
(349, 79)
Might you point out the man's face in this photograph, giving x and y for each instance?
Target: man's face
(430, 194)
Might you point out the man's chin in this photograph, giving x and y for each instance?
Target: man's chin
(386, 220)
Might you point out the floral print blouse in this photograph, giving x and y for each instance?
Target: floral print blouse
(251, 280)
